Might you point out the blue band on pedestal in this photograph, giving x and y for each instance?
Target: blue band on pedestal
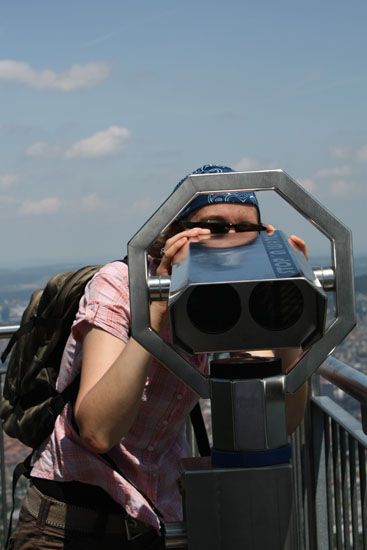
(251, 459)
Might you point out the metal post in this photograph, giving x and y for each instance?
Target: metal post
(318, 483)
(4, 504)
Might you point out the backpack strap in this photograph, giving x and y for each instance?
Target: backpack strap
(21, 469)
(68, 394)
(201, 435)
(24, 468)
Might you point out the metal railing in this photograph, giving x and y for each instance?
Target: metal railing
(330, 465)
(329, 451)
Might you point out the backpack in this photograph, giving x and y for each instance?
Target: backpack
(30, 403)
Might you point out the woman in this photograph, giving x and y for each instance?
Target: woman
(128, 406)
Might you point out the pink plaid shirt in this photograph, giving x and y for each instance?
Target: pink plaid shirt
(149, 455)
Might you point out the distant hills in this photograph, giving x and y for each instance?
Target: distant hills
(361, 284)
(19, 283)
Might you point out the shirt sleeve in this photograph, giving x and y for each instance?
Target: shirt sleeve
(105, 303)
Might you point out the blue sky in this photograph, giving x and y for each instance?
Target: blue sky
(104, 106)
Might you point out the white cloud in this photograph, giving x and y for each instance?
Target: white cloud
(8, 180)
(76, 77)
(341, 188)
(92, 202)
(42, 149)
(101, 144)
(362, 153)
(340, 152)
(337, 171)
(47, 205)
(248, 164)
(344, 152)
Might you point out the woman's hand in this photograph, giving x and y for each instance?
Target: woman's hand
(174, 249)
(296, 242)
(299, 245)
(177, 245)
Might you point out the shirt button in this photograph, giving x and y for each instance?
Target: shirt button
(151, 448)
(179, 396)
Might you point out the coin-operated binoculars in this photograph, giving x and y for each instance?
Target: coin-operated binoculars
(232, 293)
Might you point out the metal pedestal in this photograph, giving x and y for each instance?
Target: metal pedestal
(235, 509)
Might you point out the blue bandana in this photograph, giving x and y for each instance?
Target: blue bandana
(241, 197)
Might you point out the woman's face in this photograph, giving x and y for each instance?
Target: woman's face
(228, 213)
(219, 212)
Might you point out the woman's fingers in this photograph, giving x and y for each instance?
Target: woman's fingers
(299, 244)
(195, 232)
(296, 242)
(169, 253)
(176, 244)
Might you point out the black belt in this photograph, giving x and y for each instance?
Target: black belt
(75, 518)
(76, 493)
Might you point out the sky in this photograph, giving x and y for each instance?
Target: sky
(105, 106)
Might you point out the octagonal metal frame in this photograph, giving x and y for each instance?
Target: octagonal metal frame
(275, 180)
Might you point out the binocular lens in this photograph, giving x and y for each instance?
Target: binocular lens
(276, 305)
(214, 309)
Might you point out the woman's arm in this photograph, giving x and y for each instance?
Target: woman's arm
(113, 373)
(112, 381)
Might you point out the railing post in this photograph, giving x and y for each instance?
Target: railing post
(315, 479)
(4, 504)
(297, 454)
(319, 481)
